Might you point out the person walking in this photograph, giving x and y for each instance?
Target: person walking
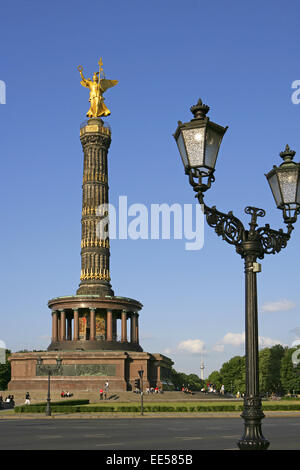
(101, 394)
(27, 399)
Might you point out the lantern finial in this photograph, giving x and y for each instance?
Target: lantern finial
(287, 155)
(200, 110)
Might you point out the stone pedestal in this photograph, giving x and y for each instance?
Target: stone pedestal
(87, 371)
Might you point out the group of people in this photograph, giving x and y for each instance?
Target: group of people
(8, 399)
(103, 392)
(149, 390)
(187, 390)
(153, 390)
(211, 388)
(66, 394)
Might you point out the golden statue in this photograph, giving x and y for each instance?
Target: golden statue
(97, 87)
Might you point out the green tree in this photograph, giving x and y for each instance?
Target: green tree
(216, 379)
(233, 374)
(269, 369)
(5, 372)
(180, 379)
(194, 382)
(290, 375)
(264, 372)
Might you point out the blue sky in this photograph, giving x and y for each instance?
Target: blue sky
(241, 59)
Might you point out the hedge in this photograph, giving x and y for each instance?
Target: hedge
(291, 407)
(82, 408)
(40, 407)
(67, 403)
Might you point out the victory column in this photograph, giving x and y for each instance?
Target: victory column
(87, 347)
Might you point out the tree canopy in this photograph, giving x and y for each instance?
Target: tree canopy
(192, 381)
(5, 372)
(277, 373)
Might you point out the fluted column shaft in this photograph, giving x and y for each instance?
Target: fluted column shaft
(58, 327)
(124, 326)
(76, 325)
(95, 273)
(109, 323)
(133, 328)
(62, 325)
(54, 326)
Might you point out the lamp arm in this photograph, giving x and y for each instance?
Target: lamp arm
(227, 226)
(200, 180)
(273, 241)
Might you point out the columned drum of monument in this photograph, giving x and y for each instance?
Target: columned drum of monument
(95, 334)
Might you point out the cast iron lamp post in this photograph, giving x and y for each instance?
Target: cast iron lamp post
(141, 374)
(198, 143)
(48, 407)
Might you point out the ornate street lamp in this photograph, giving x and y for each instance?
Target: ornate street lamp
(285, 185)
(141, 374)
(198, 142)
(48, 407)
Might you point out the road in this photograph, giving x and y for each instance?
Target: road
(141, 434)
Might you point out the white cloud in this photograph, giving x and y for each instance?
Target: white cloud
(234, 339)
(193, 346)
(267, 342)
(167, 351)
(279, 306)
(238, 339)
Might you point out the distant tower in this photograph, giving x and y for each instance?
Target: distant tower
(202, 367)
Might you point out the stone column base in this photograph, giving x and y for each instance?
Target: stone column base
(86, 370)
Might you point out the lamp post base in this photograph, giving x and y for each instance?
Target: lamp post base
(253, 438)
(255, 442)
(48, 408)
